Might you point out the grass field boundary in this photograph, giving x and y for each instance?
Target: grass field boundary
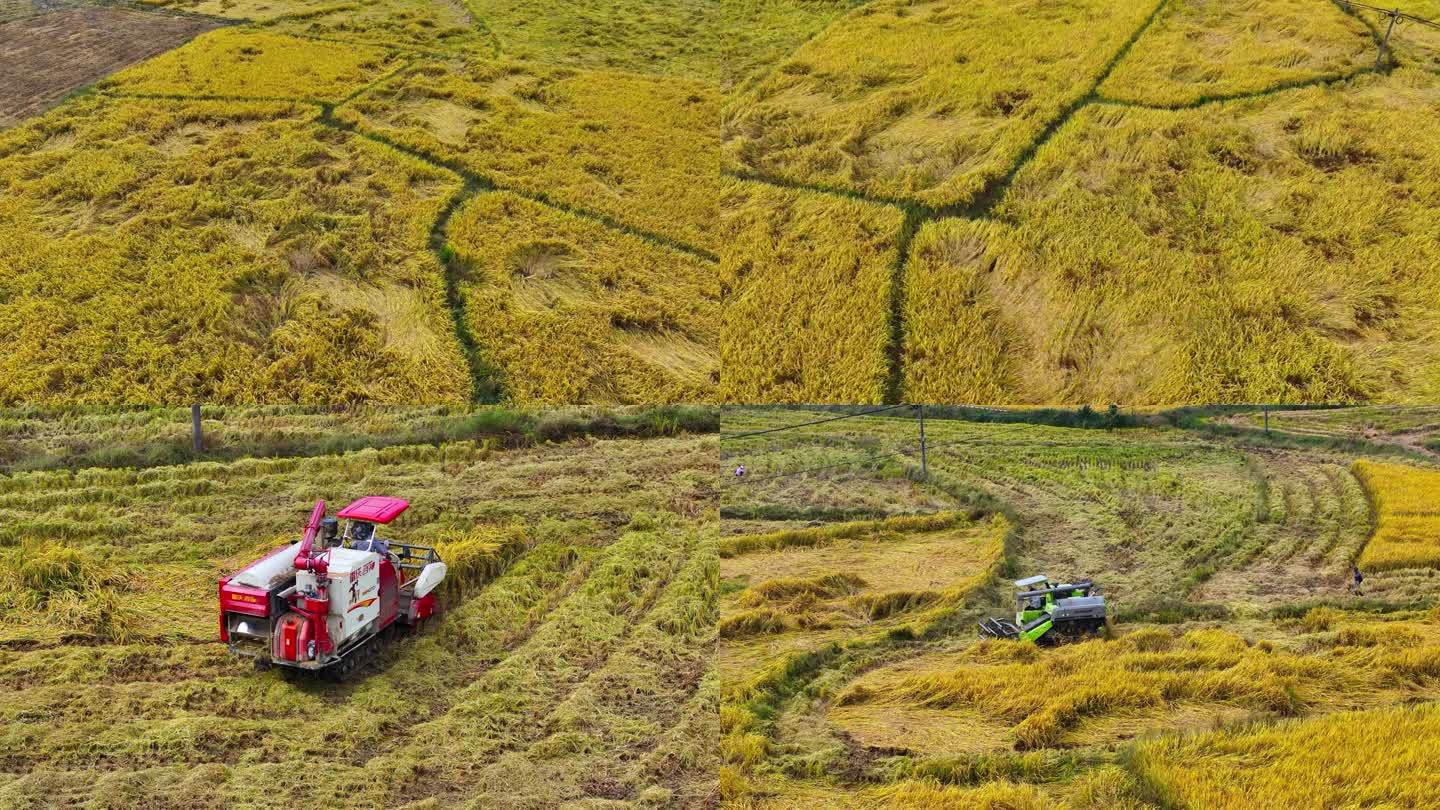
(895, 346)
(981, 206)
(1280, 87)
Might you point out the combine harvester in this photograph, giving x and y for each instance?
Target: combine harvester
(1045, 612)
(329, 602)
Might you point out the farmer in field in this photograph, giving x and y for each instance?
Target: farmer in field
(740, 471)
(1359, 578)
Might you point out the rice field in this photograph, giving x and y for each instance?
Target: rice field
(923, 101)
(805, 286)
(416, 201)
(566, 310)
(1236, 663)
(570, 662)
(639, 149)
(1175, 202)
(218, 250)
(1407, 532)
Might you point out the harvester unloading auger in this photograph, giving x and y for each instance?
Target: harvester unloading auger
(1045, 611)
(330, 601)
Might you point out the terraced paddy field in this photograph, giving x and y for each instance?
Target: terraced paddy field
(1182, 201)
(402, 201)
(571, 661)
(1415, 429)
(1238, 668)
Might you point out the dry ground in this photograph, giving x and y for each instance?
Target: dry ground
(45, 56)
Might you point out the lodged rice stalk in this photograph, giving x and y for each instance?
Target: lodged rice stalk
(1407, 505)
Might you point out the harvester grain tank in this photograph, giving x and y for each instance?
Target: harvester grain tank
(330, 601)
(1046, 612)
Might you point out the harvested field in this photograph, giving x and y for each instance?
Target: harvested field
(45, 56)
(1234, 654)
(570, 662)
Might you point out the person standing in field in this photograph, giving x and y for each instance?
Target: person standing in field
(1359, 578)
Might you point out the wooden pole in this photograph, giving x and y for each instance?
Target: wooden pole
(1266, 410)
(1385, 43)
(924, 461)
(196, 433)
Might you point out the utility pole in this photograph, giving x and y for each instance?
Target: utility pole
(197, 436)
(1385, 43)
(924, 462)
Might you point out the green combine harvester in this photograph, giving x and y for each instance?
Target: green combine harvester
(1050, 612)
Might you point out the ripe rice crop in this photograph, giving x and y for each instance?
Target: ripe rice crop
(236, 62)
(763, 32)
(1380, 758)
(1160, 257)
(217, 250)
(641, 150)
(668, 37)
(806, 280)
(925, 101)
(391, 23)
(1407, 532)
(1201, 49)
(567, 310)
(255, 10)
(1150, 679)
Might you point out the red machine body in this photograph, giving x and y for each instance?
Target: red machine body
(327, 601)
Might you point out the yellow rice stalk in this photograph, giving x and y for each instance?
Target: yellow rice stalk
(1407, 505)
(1281, 248)
(925, 100)
(807, 281)
(1380, 758)
(1206, 48)
(571, 311)
(236, 62)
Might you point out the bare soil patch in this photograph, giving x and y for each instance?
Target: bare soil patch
(42, 58)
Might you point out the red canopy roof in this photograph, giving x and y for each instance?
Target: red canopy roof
(374, 509)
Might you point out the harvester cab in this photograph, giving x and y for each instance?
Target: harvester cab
(1046, 611)
(330, 601)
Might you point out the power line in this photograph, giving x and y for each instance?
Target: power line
(816, 422)
(904, 451)
(1397, 13)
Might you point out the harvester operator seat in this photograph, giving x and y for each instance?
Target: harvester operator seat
(361, 534)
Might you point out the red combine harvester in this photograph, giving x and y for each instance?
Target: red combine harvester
(329, 601)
